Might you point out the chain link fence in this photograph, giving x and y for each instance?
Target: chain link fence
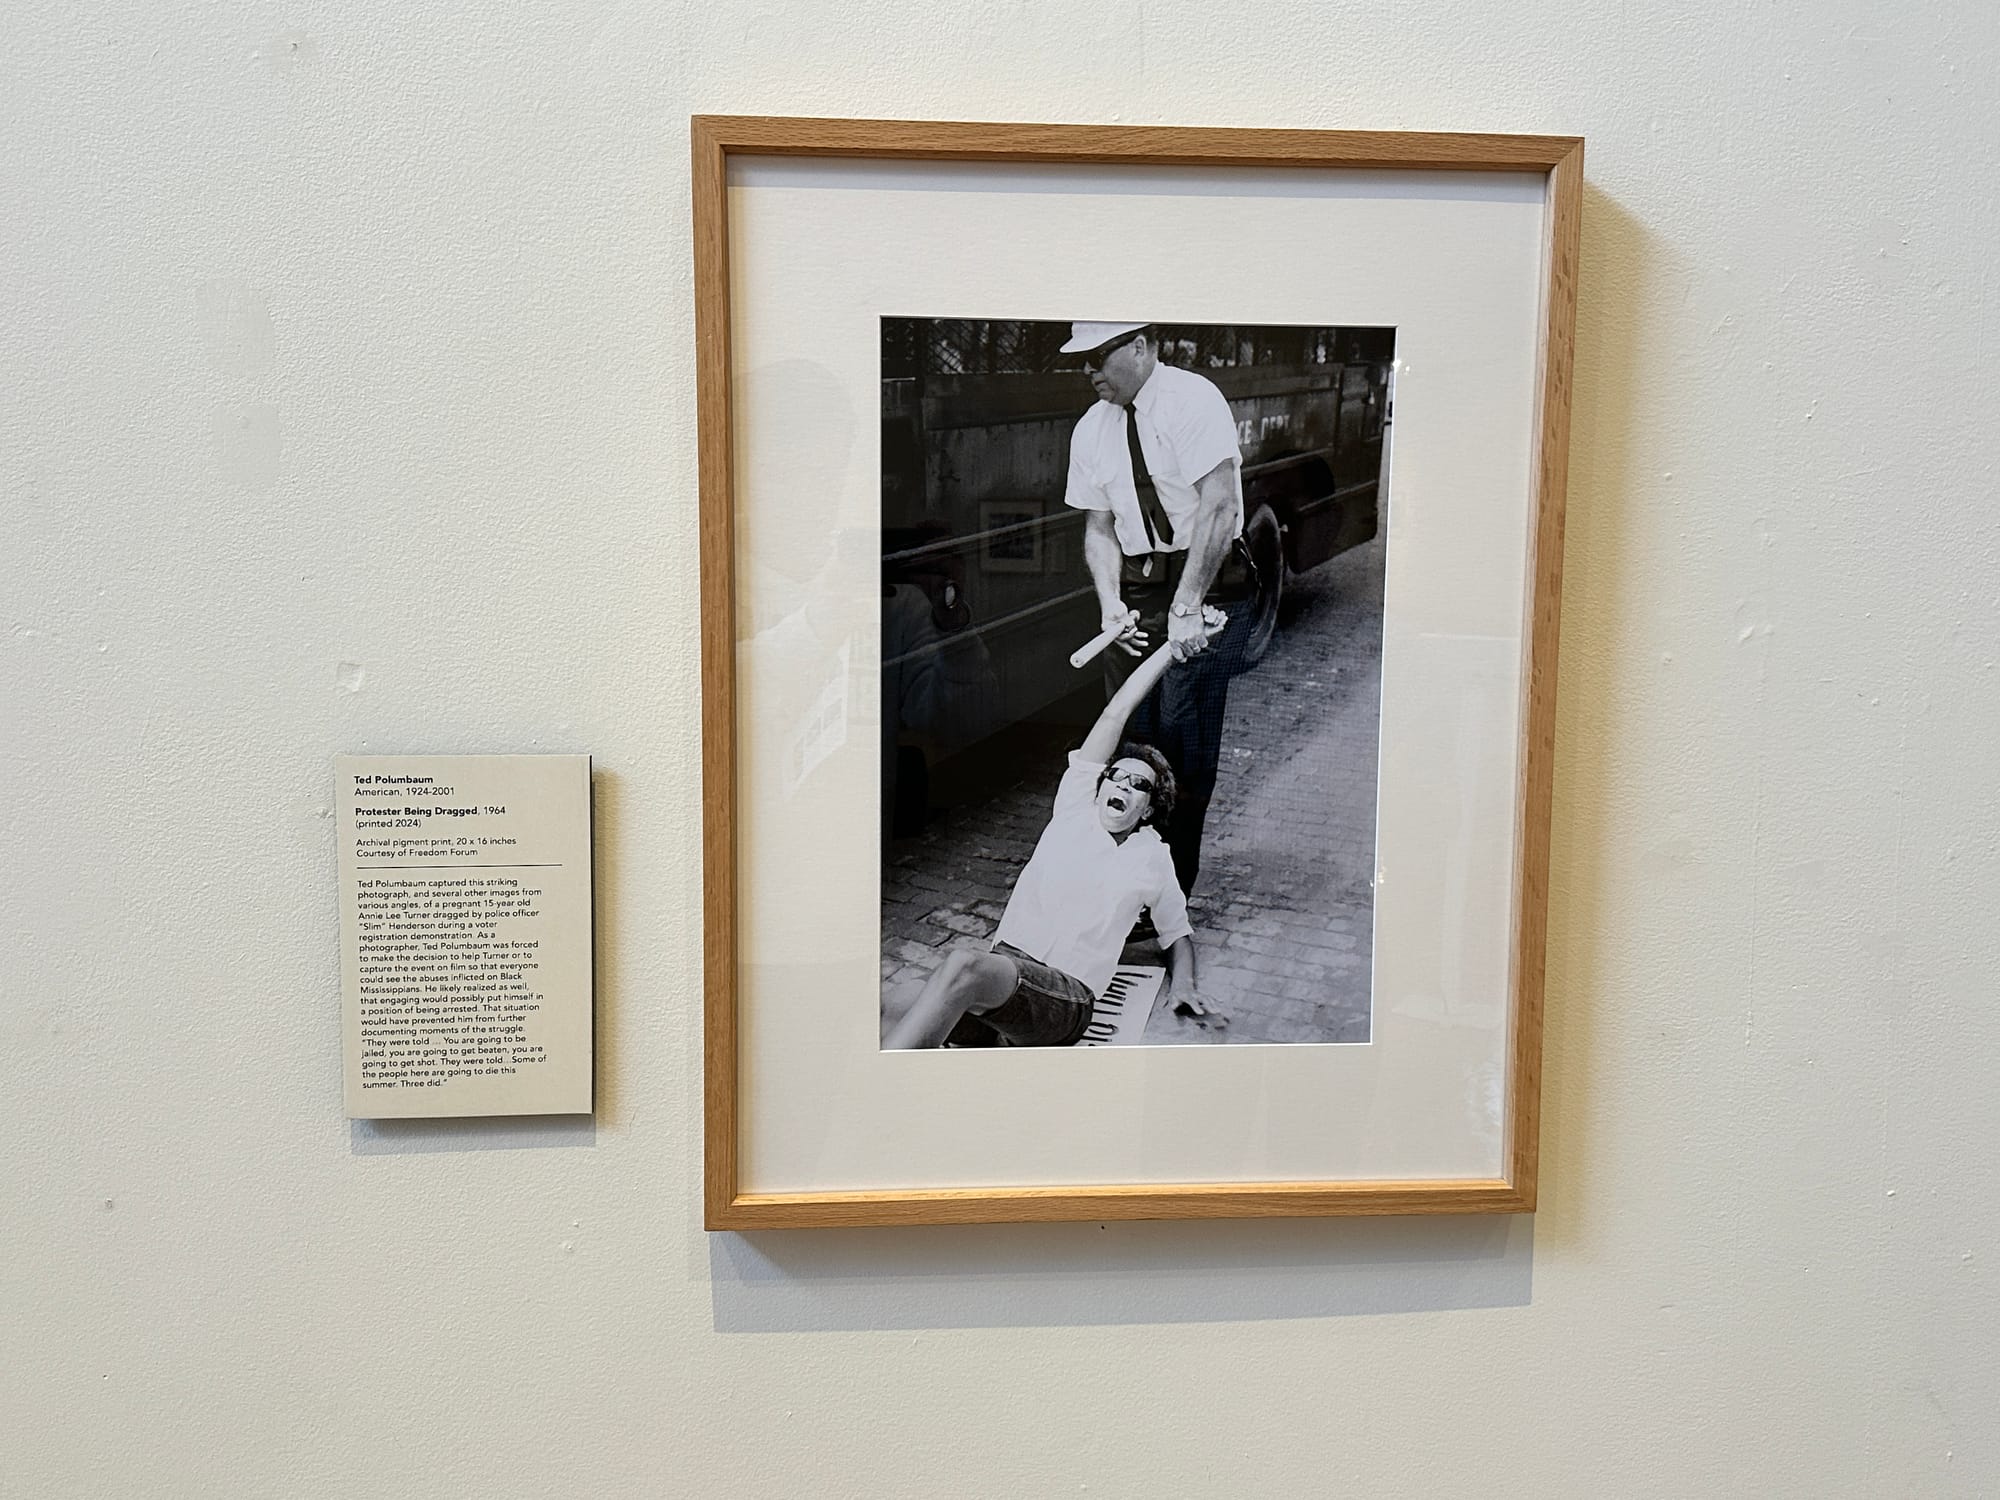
(1012, 346)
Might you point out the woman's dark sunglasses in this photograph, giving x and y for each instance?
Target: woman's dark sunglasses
(1131, 779)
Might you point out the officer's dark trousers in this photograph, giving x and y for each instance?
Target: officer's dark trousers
(1182, 717)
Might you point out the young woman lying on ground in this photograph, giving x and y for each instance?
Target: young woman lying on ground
(1097, 866)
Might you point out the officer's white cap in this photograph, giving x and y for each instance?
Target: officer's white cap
(1084, 337)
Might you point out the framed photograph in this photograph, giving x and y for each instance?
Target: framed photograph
(1010, 534)
(1130, 565)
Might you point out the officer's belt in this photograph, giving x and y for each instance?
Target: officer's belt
(1235, 579)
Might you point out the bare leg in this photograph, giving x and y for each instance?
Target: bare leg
(897, 1000)
(964, 982)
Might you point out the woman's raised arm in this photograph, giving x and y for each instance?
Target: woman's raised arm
(1102, 741)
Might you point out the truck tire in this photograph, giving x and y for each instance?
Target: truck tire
(1266, 541)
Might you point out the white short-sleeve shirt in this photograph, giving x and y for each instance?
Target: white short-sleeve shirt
(1080, 892)
(1185, 430)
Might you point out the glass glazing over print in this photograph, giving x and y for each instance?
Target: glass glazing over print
(1131, 666)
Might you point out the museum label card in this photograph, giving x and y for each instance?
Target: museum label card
(465, 954)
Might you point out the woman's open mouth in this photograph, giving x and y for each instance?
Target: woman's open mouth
(1116, 802)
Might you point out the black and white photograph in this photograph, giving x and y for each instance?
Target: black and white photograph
(1132, 585)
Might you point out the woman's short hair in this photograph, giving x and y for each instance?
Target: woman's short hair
(1164, 786)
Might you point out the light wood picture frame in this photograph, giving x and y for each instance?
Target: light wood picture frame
(730, 1102)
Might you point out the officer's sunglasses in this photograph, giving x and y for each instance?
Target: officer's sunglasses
(1094, 360)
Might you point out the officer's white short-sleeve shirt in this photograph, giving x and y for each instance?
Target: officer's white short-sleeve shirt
(1185, 430)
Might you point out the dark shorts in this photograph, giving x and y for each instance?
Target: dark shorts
(1047, 1009)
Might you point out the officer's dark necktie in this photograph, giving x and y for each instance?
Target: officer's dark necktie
(1159, 530)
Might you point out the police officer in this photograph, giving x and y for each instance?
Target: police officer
(1156, 467)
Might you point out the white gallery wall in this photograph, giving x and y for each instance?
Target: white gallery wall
(348, 406)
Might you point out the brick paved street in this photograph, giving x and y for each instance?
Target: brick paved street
(1283, 913)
